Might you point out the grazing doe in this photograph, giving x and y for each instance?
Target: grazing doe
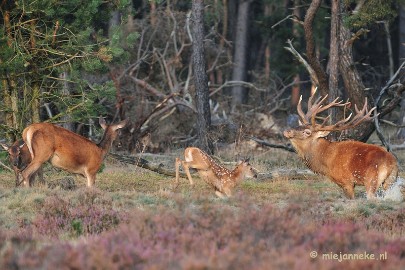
(220, 178)
(67, 150)
(19, 157)
(346, 163)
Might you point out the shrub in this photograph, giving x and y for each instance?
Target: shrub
(57, 216)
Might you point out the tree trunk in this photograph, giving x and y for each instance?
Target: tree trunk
(239, 72)
(67, 121)
(201, 78)
(313, 60)
(353, 84)
(334, 58)
(35, 103)
(351, 77)
(401, 131)
(402, 32)
(296, 89)
(8, 113)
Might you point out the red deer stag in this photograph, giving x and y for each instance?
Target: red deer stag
(347, 163)
(67, 150)
(220, 178)
(19, 157)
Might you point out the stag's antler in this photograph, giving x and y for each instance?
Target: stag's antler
(315, 108)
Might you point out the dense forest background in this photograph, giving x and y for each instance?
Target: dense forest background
(69, 62)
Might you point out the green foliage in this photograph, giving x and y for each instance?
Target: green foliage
(50, 37)
(131, 39)
(77, 227)
(371, 12)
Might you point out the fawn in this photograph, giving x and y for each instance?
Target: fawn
(220, 178)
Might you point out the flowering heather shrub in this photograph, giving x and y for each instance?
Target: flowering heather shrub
(210, 237)
(87, 217)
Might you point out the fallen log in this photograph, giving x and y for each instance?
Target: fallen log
(161, 169)
(143, 163)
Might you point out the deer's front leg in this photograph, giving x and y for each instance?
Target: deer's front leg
(187, 170)
(177, 166)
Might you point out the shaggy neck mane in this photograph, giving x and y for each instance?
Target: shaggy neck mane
(311, 155)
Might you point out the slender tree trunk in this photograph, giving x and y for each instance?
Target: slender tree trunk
(9, 89)
(239, 73)
(7, 104)
(334, 57)
(296, 89)
(201, 78)
(313, 60)
(35, 103)
(402, 32)
(401, 131)
(67, 121)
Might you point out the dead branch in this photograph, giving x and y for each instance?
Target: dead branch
(6, 167)
(301, 59)
(143, 163)
(272, 145)
(148, 87)
(356, 36)
(395, 147)
(159, 168)
(400, 88)
(276, 98)
(291, 174)
(391, 123)
(236, 83)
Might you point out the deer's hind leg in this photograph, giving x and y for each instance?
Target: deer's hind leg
(41, 151)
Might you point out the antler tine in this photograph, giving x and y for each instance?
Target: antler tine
(325, 120)
(313, 110)
(337, 125)
(311, 97)
(361, 115)
(301, 114)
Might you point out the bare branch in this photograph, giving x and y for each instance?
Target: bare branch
(394, 102)
(280, 146)
(297, 55)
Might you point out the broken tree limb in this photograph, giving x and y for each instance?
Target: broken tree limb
(297, 55)
(6, 167)
(143, 163)
(400, 88)
(272, 145)
(292, 174)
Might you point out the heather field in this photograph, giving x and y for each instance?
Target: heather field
(134, 220)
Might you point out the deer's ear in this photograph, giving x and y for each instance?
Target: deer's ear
(122, 124)
(4, 146)
(102, 122)
(322, 133)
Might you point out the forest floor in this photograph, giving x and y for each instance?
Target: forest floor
(134, 219)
